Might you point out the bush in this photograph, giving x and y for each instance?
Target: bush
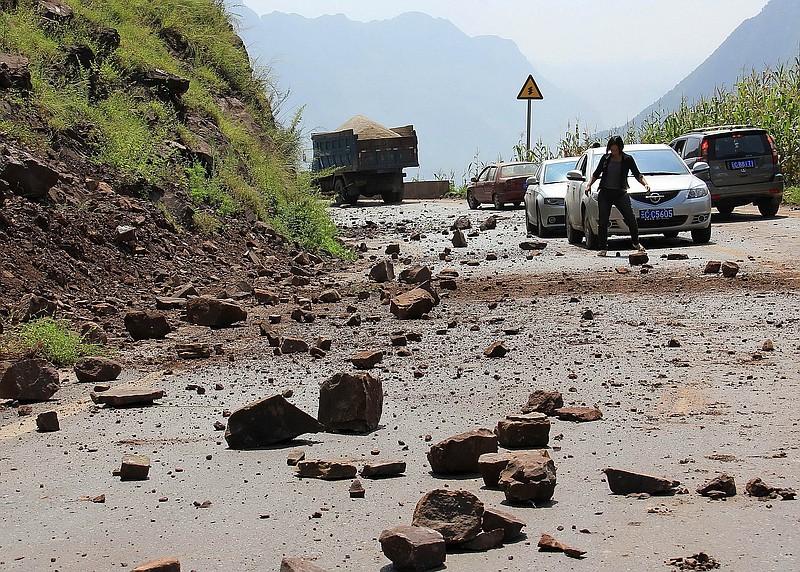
(49, 339)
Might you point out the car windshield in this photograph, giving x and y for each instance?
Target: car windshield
(557, 172)
(518, 170)
(659, 162)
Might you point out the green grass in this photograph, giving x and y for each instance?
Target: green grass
(127, 129)
(49, 339)
(791, 195)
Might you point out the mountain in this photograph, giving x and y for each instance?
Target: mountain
(458, 91)
(771, 37)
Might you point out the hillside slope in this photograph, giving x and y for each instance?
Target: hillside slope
(137, 149)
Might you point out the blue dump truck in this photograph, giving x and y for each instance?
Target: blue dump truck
(363, 158)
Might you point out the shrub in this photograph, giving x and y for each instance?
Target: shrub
(49, 339)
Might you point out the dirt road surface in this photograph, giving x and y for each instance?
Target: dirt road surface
(674, 358)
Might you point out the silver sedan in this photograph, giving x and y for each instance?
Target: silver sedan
(544, 196)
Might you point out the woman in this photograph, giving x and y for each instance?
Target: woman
(613, 172)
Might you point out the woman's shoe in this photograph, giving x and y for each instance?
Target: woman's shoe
(638, 247)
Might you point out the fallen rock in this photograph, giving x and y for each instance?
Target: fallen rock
(28, 380)
(299, 565)
(485, 540)
(366, 359)
(268, 421)
(549, 544)
(415, 275)
(351, 402)
(125, 397)
(393, 248)
(326, 470)
(14, 72)
(461, 223)
(330, 296)
(579, 414)
(213, 312)
(266, 297)
(357, 490)
(712, 267)
(293, 346)
(496, 350)
(27, 176)
(508, 523)
(160, 565)
(758, 488)
(93, 333)
(97, 369)
(489, 224)
(460, 453)
(532, 245)
(459, 240)
(32, 306)
(382, 272)
(295, 457)
(47, 422)
(146, 325)
(729, 269)
(413, 304)
(456, 515)
(677, 256)
(722, 483)
(134, 468)
(194, 350)
(383, 469)
(638, 258)
(622, 482)
(413, 547)
(542, 401)
(528, 478)
(698, 562)
(531, 430)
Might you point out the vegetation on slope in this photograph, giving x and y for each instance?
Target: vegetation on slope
(217, 142)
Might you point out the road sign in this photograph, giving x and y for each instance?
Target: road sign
(530, 90)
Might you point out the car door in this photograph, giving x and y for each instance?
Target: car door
(491, 183)
(574, 190)
(479, 191)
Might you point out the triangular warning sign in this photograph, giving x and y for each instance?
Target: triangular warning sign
(530, 90)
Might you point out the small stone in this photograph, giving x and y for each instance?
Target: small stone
(722, 483)
(134, 468)
(160, 565)
(357, 490)
(496, 350)
(638, 258)
(366, 359)
(47, 422)
(579, 414)
(729, 269)
(712, 267)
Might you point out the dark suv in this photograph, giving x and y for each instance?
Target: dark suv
(743, 166)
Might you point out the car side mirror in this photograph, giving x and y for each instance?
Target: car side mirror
(700, 167)
(534, 180)
(474, 179)
(575, 176)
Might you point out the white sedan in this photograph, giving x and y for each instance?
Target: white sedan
(678, 202)
(544, 196)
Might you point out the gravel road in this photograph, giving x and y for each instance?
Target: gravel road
(674, 358)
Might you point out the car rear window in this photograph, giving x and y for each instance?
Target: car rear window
(738, 145)
(518, 170)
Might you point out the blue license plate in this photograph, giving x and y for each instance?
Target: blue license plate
(655, 214)
(743, 164)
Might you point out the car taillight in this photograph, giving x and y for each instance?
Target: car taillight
(774, 151)
(704, 151)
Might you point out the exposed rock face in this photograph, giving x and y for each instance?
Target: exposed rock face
(543, 402)
(97, 369)
(460, 453)
(28, 380)
(413, 547)
(722, 483)
(456, 515)
(528, 479)
(268, 421)
(146, 325)
(326, 470)
(351, 402)
(214, 312)
(623, 482)
(33, 306)
(523, 431)
(27, 176)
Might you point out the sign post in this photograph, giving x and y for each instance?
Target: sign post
(529, 91)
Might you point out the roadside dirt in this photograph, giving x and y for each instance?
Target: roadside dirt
(674, 358)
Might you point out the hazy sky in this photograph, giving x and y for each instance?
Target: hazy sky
(572, 41)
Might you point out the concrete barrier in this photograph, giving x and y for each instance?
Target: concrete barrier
(426, 189)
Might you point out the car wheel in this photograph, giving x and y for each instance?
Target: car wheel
(496, 200)
(591, 237)
(701, 235)
(472, 201)
(529, 228)
(541, 230)
(725, 209)
(671, 234)
(573, 236)
(768, 208)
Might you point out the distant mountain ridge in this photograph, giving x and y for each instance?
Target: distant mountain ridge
(458, 91)
(769, 38)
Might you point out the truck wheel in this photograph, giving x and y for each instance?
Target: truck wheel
(340, 190)
(392, 197)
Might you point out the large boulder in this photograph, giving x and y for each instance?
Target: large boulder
(456, 515)
(413, 304)
(523, 431)
(413, 547)
(33, 306)
(143, 325)
(491, 465)
(213, 312)
(28, 380)
(528, 479)
(97, 369)
(415, 275)
(268, 421)
(460, 453)
(351, 402)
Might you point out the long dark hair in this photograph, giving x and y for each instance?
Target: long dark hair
(615, 140)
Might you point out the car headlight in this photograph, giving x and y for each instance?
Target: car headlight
(697, 192)
(554, 201)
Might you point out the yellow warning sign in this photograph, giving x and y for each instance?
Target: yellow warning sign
(530, 90)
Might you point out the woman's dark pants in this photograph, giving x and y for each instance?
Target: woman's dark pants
(607, 198)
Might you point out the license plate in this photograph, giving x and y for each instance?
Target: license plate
(743, 164)
(655, 214)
